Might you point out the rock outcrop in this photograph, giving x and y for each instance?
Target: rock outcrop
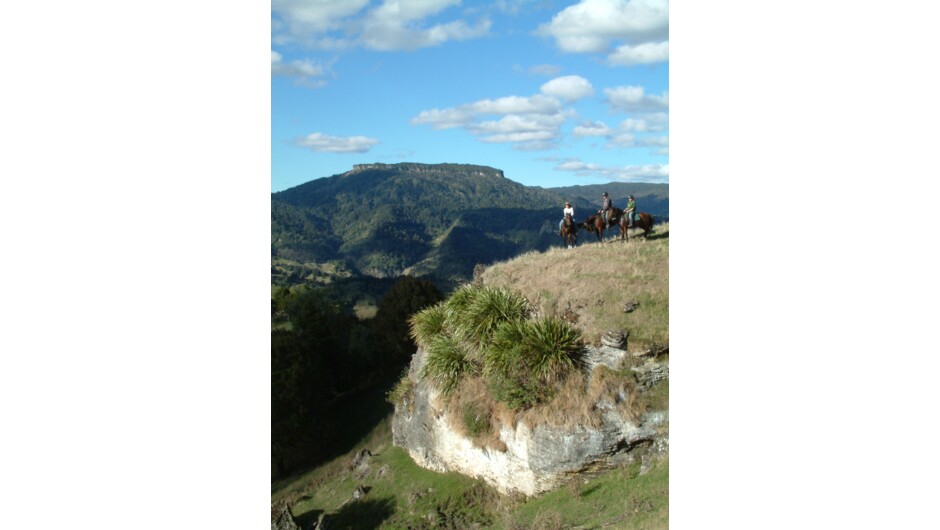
(281, 518)
(537, 457)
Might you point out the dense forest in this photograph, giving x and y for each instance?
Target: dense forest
(325, 362)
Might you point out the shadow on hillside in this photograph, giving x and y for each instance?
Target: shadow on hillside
(364, 514)
(658, 235)
(308, 519)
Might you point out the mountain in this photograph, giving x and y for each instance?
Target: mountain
(436, 220)
(650, 198)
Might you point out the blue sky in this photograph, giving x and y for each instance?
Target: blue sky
(553, 93)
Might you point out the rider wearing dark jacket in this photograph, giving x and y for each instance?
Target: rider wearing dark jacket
(606, 209)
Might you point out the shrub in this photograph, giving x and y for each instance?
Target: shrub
(525, 358)
(402, 393)
(427, 324)
(446, 363)
(476, 421)
(490, 308)
(553, 347)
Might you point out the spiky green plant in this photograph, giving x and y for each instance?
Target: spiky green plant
(487, 310)
(505, 351)
(427, 324)
(402, 393)
(447, 362)
(552, 347)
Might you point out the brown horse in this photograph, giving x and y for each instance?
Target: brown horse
(644, 221)
(569, 232)
(595, 223)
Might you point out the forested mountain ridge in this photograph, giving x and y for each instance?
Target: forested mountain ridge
(422, 219)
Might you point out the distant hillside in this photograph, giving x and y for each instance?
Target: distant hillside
(436, 220)
(650, 198)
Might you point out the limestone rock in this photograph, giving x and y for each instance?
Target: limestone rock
(650, 373)
(281, 518)
(537, 458)
(614, 339)
(629, 307)
(605, 355)
(358, 493)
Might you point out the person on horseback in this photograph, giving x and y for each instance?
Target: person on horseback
(606, 209)
(568, 211)
(630, 211)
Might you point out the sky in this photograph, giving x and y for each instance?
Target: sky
(554, 93)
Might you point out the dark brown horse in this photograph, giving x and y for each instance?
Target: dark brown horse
(595, 223)
(569, 232)
(643, 221)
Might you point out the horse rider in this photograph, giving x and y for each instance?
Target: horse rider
(605, 210)
(568, 211)
(630, 211)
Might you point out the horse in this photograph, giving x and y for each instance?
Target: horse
(569, 232)
(644, 221)
(595, 223)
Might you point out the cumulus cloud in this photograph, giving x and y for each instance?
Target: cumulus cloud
(591, 25)
(529, 123)
(621, 140)
(302, 70)
(391, 34)
(569, 87)
(465, 114)
(634, 98)
(392, 25)
(642, 173)
(646, 53)
(323, 143)
(652, 122)
(309, 22)
(597, 128)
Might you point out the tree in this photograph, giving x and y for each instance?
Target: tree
(407, 296)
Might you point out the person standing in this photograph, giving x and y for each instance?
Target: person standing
(568, 211)
(630, 211)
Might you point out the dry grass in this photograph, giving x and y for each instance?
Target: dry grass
(589, 285)
(473, 398)
(575, 402)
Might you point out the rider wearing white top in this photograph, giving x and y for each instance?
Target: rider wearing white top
(568, 210)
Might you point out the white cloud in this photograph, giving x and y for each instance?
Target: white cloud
(646, 53)
(634, 98)
(592, 129)
(591, 25)
(661, 141)
(465, 114)
(323, 143)
(653, 122)
(569, 87)
(391, 34)
(308, 22)
(392, 25)
(529, 123)
(302, 70)
(622, 140)
(644, 173)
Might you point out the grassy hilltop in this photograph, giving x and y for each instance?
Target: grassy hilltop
(586, 286)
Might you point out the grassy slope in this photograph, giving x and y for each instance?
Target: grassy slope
(598, 277)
